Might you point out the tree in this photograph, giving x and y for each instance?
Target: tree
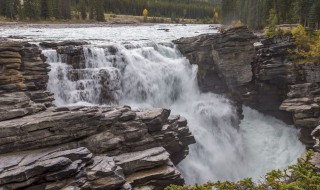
(312, 20)
(145, 13)
(65, 6)
(83, 9)
(31, 9)
(45, 13)
(99, 10)
(216, 17)
(272, 22)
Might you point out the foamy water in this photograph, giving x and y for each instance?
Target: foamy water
(145, 70)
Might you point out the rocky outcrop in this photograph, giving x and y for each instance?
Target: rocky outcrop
(48, 147)
(224, 59)
(263, 77)
(103, 147)
(273, 70)
(303, 99)
(22, 67)
(23, 80)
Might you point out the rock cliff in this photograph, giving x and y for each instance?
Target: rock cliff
(215, 54)
(263, 77)
(224, 61)
(48, 147)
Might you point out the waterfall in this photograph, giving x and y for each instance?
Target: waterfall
(157, 75)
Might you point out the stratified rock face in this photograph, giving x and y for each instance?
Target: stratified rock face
(273, 71)
(224, 59)
(93, 147)
(45, 147)
(23, 80)
(22, 67)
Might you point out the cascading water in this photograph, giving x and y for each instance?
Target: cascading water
(128, 65)
(155, 75)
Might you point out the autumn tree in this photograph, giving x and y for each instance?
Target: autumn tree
(145, 13)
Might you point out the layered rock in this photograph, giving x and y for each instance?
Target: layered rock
(22, 67)
(224, 61)
(215, 55)
(273, 70)
(23, 80)
(303, 99)
(263, 77)
(93, 147)
(48, 147)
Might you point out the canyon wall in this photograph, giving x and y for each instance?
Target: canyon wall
(263, 77)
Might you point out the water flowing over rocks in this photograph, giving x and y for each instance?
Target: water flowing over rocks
(48, 147)
(263, 77)
(215, 54)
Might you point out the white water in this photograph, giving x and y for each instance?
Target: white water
(154, 75)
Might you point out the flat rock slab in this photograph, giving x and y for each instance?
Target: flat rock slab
(45, 164)
(132, 162)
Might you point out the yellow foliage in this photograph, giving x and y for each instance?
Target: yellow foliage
(145, 12)
(236, 23)
(308, 46)
(315, 47)
(299, 34)
(216, 15)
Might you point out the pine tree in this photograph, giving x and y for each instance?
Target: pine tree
(99, 10)
(31, 9)
(83, 9)
(45, 13)
(312, 20)
(91, 15)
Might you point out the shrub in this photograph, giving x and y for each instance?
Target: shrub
(308, 46)
(301, 176)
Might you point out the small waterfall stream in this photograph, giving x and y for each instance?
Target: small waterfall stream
(157, 75)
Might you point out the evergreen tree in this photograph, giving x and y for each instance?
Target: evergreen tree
(83, 9)
(31, 9)
(45, 13)
(99, 10)
(312, 20)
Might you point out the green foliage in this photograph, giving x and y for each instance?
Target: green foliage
(271, 30)
(308, 45)
(255, 13)
(301, 176)
(65, 9)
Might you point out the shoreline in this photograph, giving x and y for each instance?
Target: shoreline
(81, 24)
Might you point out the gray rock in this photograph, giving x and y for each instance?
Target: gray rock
(132, 162)
(104, 173)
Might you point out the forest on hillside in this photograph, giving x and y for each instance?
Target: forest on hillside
(255, 13)
(258, 13)
(94, 9)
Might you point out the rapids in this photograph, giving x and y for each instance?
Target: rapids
(140, 67)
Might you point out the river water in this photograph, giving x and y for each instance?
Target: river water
(140, 67)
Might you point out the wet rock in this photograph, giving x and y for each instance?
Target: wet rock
(63, 43)
(155, 118)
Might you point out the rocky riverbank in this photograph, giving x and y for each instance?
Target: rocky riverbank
(263, 77)
(46, 147)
